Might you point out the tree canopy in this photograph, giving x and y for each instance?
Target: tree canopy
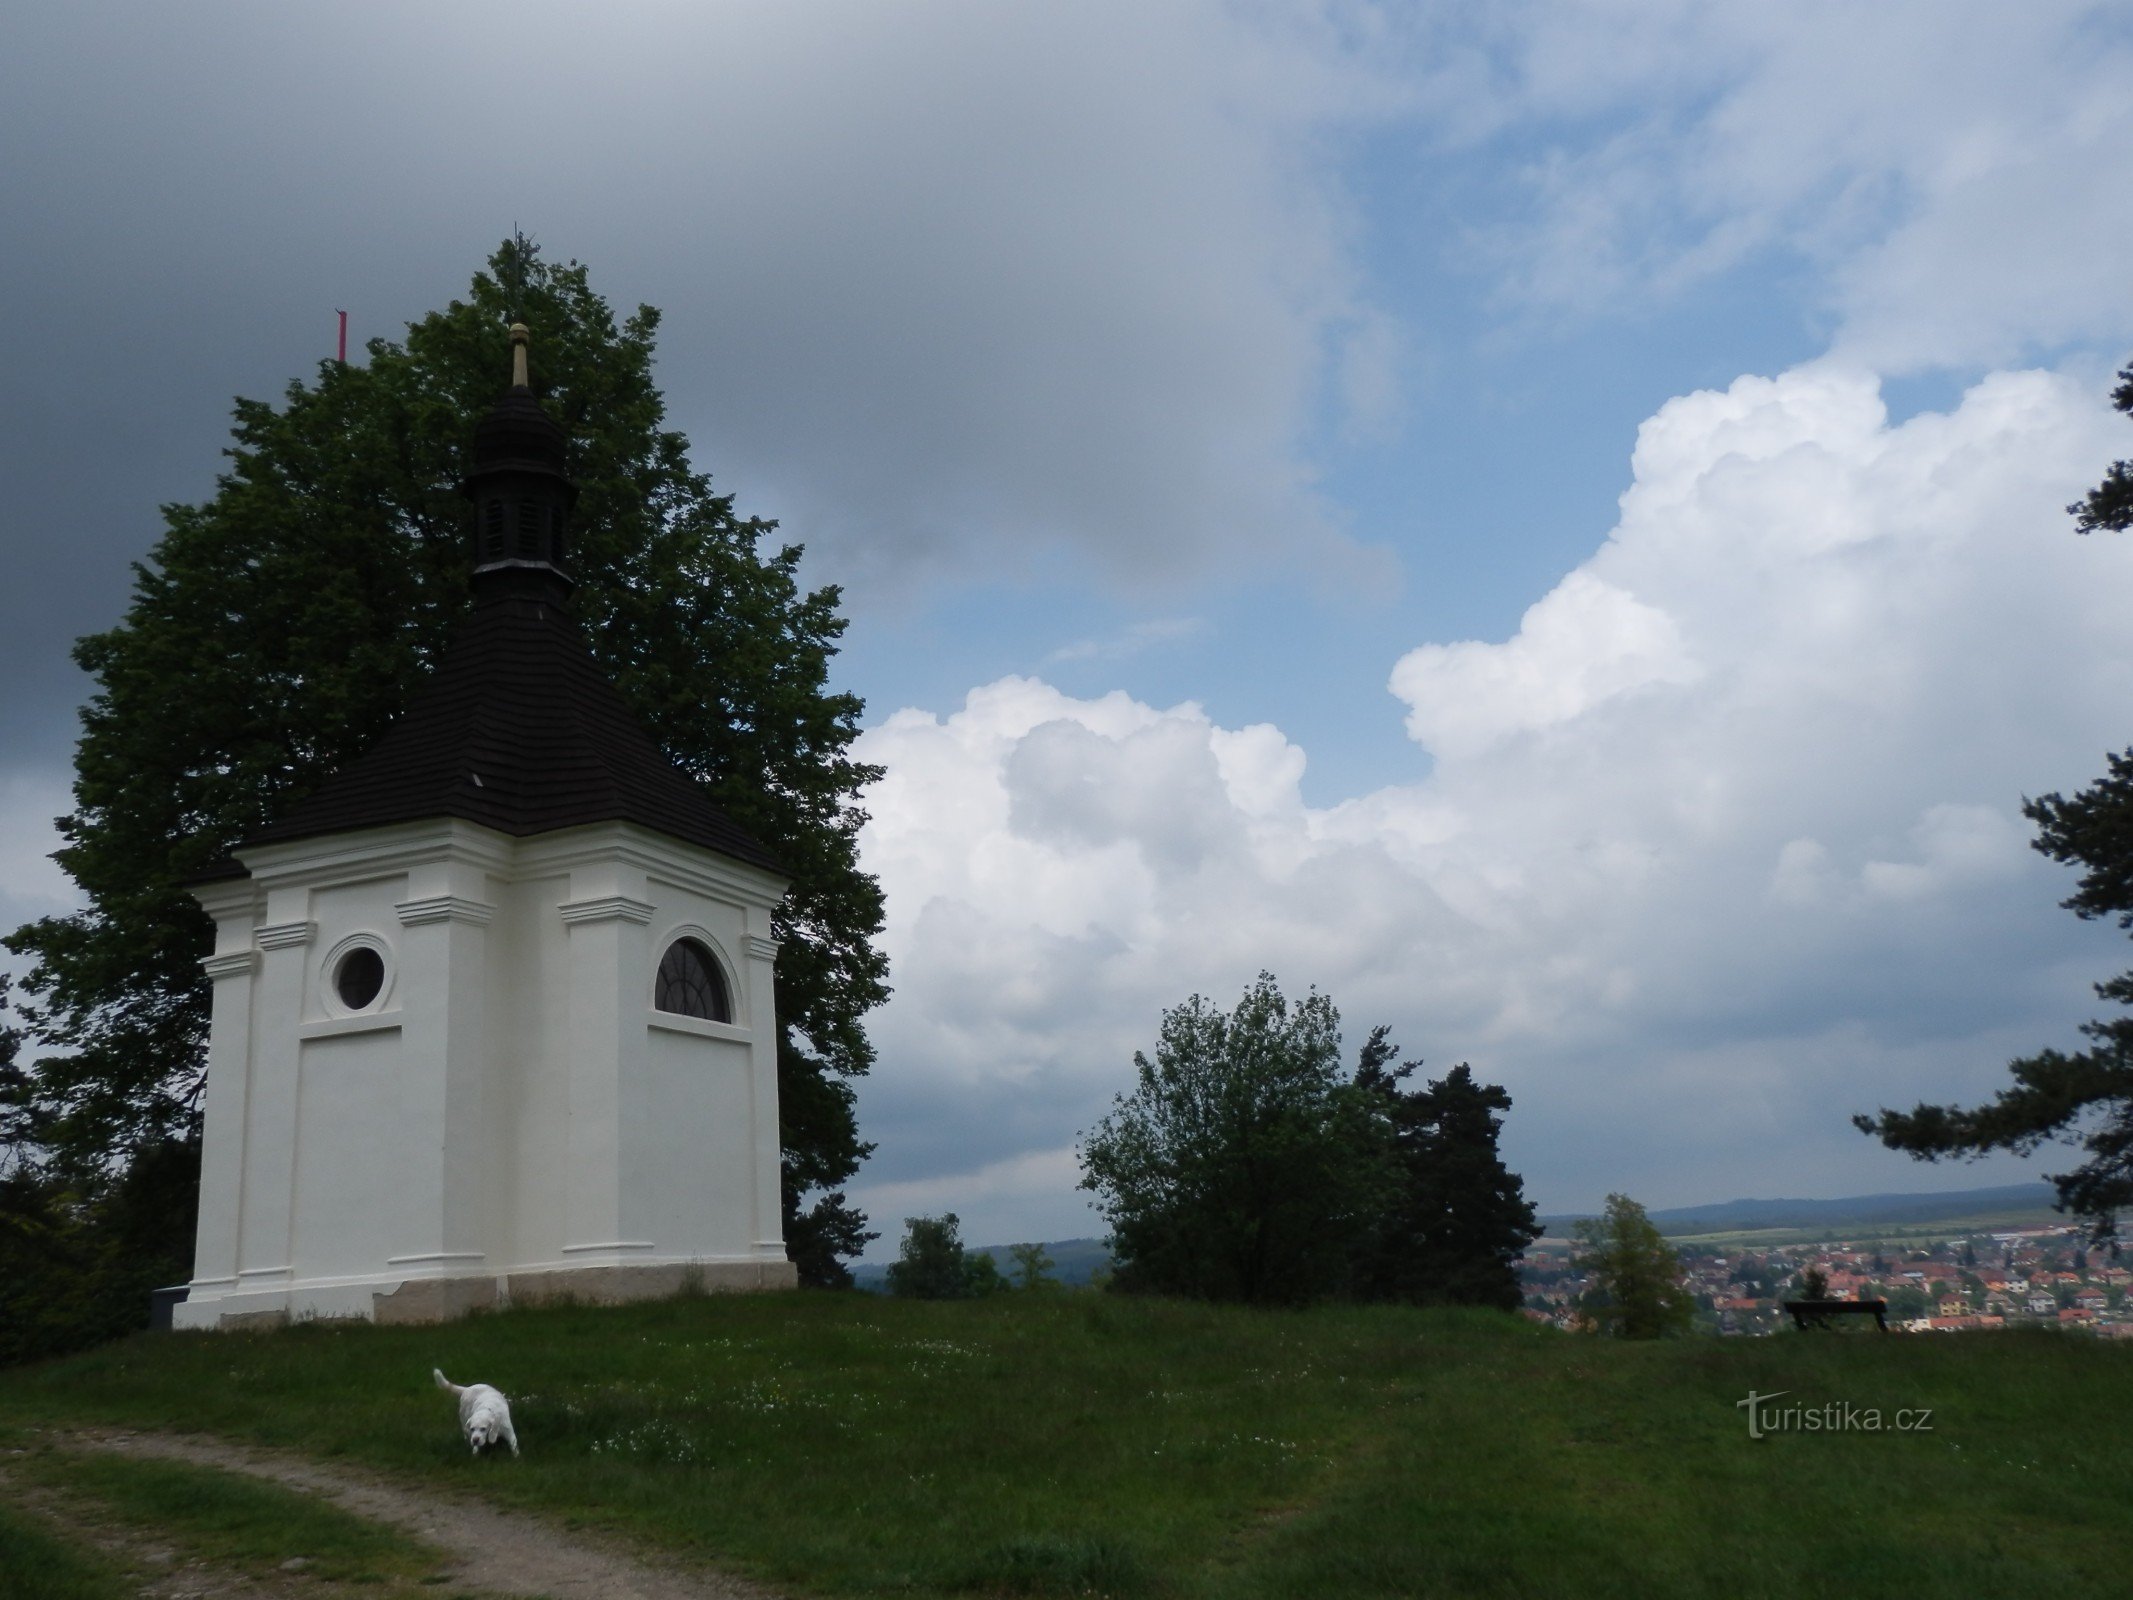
(277, 627)
(1247, 1165)
(1033, 1267)
(1237, 1169)
(931, 1263)
(1637, 1289)
(2085, 1097)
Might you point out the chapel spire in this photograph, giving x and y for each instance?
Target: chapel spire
(521, 493)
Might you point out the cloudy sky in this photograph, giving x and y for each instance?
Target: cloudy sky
(1547, 528)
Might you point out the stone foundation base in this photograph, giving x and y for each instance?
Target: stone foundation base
(414, 1300)
(434, 1300)
(613, 1286)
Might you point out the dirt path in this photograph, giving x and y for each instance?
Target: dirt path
(157, 1571)
(501, 1552)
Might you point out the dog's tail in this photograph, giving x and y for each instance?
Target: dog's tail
(445, 1383)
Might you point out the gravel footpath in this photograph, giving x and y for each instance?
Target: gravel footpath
(499, 1552)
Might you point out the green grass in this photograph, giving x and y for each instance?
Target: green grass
(1072, 1444)
(231, 1519)
(36, 1564)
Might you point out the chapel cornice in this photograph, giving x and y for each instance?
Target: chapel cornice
(444, 908)
(231, 964)
(606, 908)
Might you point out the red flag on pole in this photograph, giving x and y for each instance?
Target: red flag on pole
(342, 357)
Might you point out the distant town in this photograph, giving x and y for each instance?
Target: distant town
(1960, 1261)
(2017, 1277)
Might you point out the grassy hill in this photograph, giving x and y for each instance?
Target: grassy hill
(1084, 1444)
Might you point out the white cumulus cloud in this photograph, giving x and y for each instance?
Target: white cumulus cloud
(1586, 643)
(1724, 843)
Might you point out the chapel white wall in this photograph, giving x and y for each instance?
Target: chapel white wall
(512, 1103)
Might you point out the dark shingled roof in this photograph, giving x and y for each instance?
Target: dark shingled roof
(520, 731)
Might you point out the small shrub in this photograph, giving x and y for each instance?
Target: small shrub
(1033, 1267)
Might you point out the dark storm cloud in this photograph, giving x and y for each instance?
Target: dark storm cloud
(947, 287)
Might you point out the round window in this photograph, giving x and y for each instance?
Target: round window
(359, 977)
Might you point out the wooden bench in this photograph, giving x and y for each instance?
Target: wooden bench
(1812, 1313)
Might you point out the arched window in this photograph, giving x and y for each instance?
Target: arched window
(690, 983)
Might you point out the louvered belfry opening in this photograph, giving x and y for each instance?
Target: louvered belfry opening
(521, 492)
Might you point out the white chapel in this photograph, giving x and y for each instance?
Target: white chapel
(493, 1018)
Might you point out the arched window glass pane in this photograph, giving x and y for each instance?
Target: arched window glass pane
(690, 983)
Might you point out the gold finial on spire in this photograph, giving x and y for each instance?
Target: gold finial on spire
(520, 334)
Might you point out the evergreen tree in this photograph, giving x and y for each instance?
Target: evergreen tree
(2088, 1095)
(279, 626)
(1456, 1220)
(1637, 1290)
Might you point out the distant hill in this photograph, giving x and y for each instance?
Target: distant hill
(1848, 1214)
(1075, 1261)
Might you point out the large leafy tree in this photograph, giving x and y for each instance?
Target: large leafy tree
(1456, 1219)
(1243, 1166)
(2085, 1097)
(279, 626)
(78, 1259)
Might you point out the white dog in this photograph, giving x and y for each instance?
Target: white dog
(484, 1414)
